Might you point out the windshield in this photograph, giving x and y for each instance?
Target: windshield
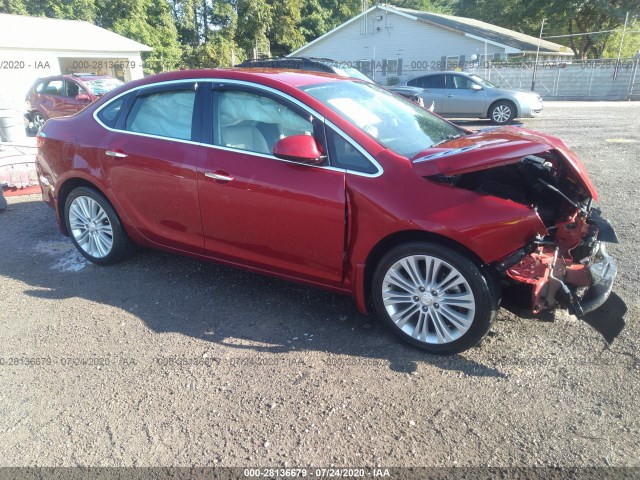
(394, 122)
(102, 85)
(484, 82)
(352, 72)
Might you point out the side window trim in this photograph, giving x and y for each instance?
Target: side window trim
(440, 80)
(121, 118)
(131, 107)
(261, 88)
(333, 130)
(450, 82)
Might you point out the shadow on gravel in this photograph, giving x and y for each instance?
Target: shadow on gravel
(608, 320)
(213, 303)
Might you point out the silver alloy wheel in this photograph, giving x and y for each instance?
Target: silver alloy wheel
(90, 226)
(502, 113)
(38, 121)
(428, 299)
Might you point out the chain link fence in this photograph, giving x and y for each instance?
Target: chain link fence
(596, 79)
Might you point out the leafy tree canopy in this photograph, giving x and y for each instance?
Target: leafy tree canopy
(211, 33)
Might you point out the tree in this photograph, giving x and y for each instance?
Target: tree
(436, 6)
(148, 22)
(315, 20)
(219, 49)
(15, 7)
(254, 20)
(562, 17)
(284, 34)
(630, 42)
(67, 9)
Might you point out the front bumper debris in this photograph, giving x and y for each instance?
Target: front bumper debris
(603, 273)
(570, 269)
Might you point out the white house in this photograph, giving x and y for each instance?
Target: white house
(32, 47)
(387, 41)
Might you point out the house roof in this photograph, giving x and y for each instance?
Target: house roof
(512, 41)
(40, 33)
(484, 30)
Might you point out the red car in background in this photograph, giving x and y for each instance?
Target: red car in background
(337, 183)
(64, 95)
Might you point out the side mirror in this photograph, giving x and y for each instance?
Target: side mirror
(299, 148)
(475, 86)
(82, 97)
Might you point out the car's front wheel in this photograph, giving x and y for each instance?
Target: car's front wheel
(94, 227)
(38, 121)
(433, 297)
(502, 112)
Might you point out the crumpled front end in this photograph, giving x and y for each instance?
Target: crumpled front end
(567, 264)
(568, 267)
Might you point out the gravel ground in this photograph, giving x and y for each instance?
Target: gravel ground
(166, 361)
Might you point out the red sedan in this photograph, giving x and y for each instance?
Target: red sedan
(335, 183)
(64, 95)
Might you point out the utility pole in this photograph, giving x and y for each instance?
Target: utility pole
(535, 66)
(615, 73)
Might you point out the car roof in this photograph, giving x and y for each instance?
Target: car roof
(87, 76)
(294, 78)
(75, 76)
(451, 72)
(313, 61)
(281, 79)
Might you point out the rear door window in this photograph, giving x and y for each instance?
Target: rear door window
(428, 81)
(433, 81)
(109, 114)
(166, 113)
(54, 87)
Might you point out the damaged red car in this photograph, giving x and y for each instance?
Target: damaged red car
(335, 183)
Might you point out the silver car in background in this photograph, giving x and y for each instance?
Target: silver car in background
(467, 95)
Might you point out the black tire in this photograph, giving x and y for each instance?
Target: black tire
(37, 120)
(502, 112)
(120, 247)
(433, 305)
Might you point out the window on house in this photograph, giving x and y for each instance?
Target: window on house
(365, 67)
(453, 62)
(392, 67)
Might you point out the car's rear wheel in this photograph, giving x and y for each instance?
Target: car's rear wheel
(502, 112)
(433, 297)
(38, 120)
(94, 227)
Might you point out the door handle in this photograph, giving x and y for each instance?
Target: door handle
(116, 154)
(223, 177)
(449, 95)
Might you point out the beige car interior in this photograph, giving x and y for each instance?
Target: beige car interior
(252, 122)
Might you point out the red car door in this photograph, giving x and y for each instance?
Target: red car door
(150, 165)
(260, 210)
(75, 98)
(51, 97)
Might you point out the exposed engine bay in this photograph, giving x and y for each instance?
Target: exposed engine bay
(567, 265)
